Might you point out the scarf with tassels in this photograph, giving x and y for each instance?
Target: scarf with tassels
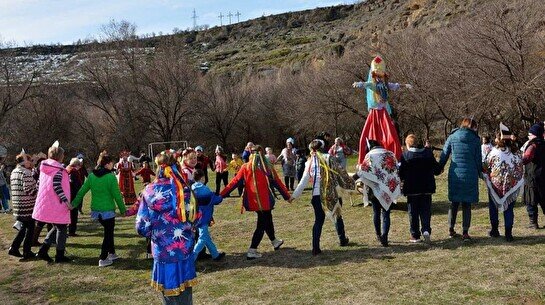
(331, 177)
(172, 173)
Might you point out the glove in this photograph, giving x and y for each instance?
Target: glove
(358, 84)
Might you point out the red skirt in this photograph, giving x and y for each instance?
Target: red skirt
(380, 127)
(126, 186)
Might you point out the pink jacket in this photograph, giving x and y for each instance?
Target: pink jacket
(49, 208)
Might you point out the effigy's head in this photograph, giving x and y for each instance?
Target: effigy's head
(378, 69)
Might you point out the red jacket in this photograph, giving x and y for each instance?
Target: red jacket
(262, 198)
(146, 174)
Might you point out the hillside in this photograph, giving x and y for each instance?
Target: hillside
(269, 42)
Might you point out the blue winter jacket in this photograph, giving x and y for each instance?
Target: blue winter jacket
(206, 199)
(465, 167)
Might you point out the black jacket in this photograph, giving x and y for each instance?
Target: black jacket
(417, 170)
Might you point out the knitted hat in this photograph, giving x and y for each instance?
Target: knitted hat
(75, 162)
(290, 140)
(199, 148)
(537, 130)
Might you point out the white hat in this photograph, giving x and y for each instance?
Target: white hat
(290, 140)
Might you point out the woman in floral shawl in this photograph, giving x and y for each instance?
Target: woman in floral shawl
(380, 185)
(168, 220)
(504, 179)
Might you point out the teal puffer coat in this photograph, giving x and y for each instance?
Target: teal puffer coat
(465, 167)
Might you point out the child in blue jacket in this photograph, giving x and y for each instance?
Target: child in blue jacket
(206, 200)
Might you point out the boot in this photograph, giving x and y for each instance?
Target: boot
(494, 232)
(35, 242)
(60, 258)
(384, 240)
(509, 234)
(42, 253)
(533, 222)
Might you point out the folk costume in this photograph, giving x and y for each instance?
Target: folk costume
(504, 180)
(259, 179)
(168, 220)
(380, 184)
(327, 174)
(125, 170)
(379, 125)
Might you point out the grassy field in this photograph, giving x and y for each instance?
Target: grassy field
(483, 271)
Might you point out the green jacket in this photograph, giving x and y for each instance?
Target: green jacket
(105, 192)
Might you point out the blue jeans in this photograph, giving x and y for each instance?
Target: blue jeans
(419, 208)
(378, 213)
(319, 219)
(508, 215)
(5, 196)
(205, 241)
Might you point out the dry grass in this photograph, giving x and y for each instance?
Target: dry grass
(484, 271)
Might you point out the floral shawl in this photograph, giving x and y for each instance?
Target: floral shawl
(379, 173)
(504, 177)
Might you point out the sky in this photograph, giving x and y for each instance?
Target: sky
(26, 22)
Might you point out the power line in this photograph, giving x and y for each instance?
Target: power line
(194, 17)
(238, 16)
(221, 18)
(230, 15)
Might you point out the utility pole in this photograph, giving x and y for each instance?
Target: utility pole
(230, 15)
(221, 18)
(238, 16)
(194, 17)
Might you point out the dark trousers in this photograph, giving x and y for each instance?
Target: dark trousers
(319, 219)
(289, 182)
(58, 234)
(219, 177)
(453, 212)
(108, 241)
(533, 199)
(508, 215)
(73, 221)
(419, 208)
(24, 235)
(264, 225)
(205, 176)
(184, 298)
(379, 213)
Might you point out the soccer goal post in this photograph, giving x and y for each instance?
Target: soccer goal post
(157, 147)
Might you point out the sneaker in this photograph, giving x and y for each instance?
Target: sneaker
(509, 238)
(277, 243)
(452, 233)
(253, 254)
(149, 256)
(316, 252)
(494, 233)
(112, 256)
(414, 240)
(105, 262)
(466, 237)
(14, 252)
(220, 256)
(427, 237)
(17, 225)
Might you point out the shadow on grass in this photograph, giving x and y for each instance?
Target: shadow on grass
(437, 207)
(293, 258)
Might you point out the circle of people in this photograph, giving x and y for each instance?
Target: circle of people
(175, 210)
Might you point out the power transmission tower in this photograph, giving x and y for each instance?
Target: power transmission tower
(221, 18)
(238, 16)
(194, 17)
(230, 15)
